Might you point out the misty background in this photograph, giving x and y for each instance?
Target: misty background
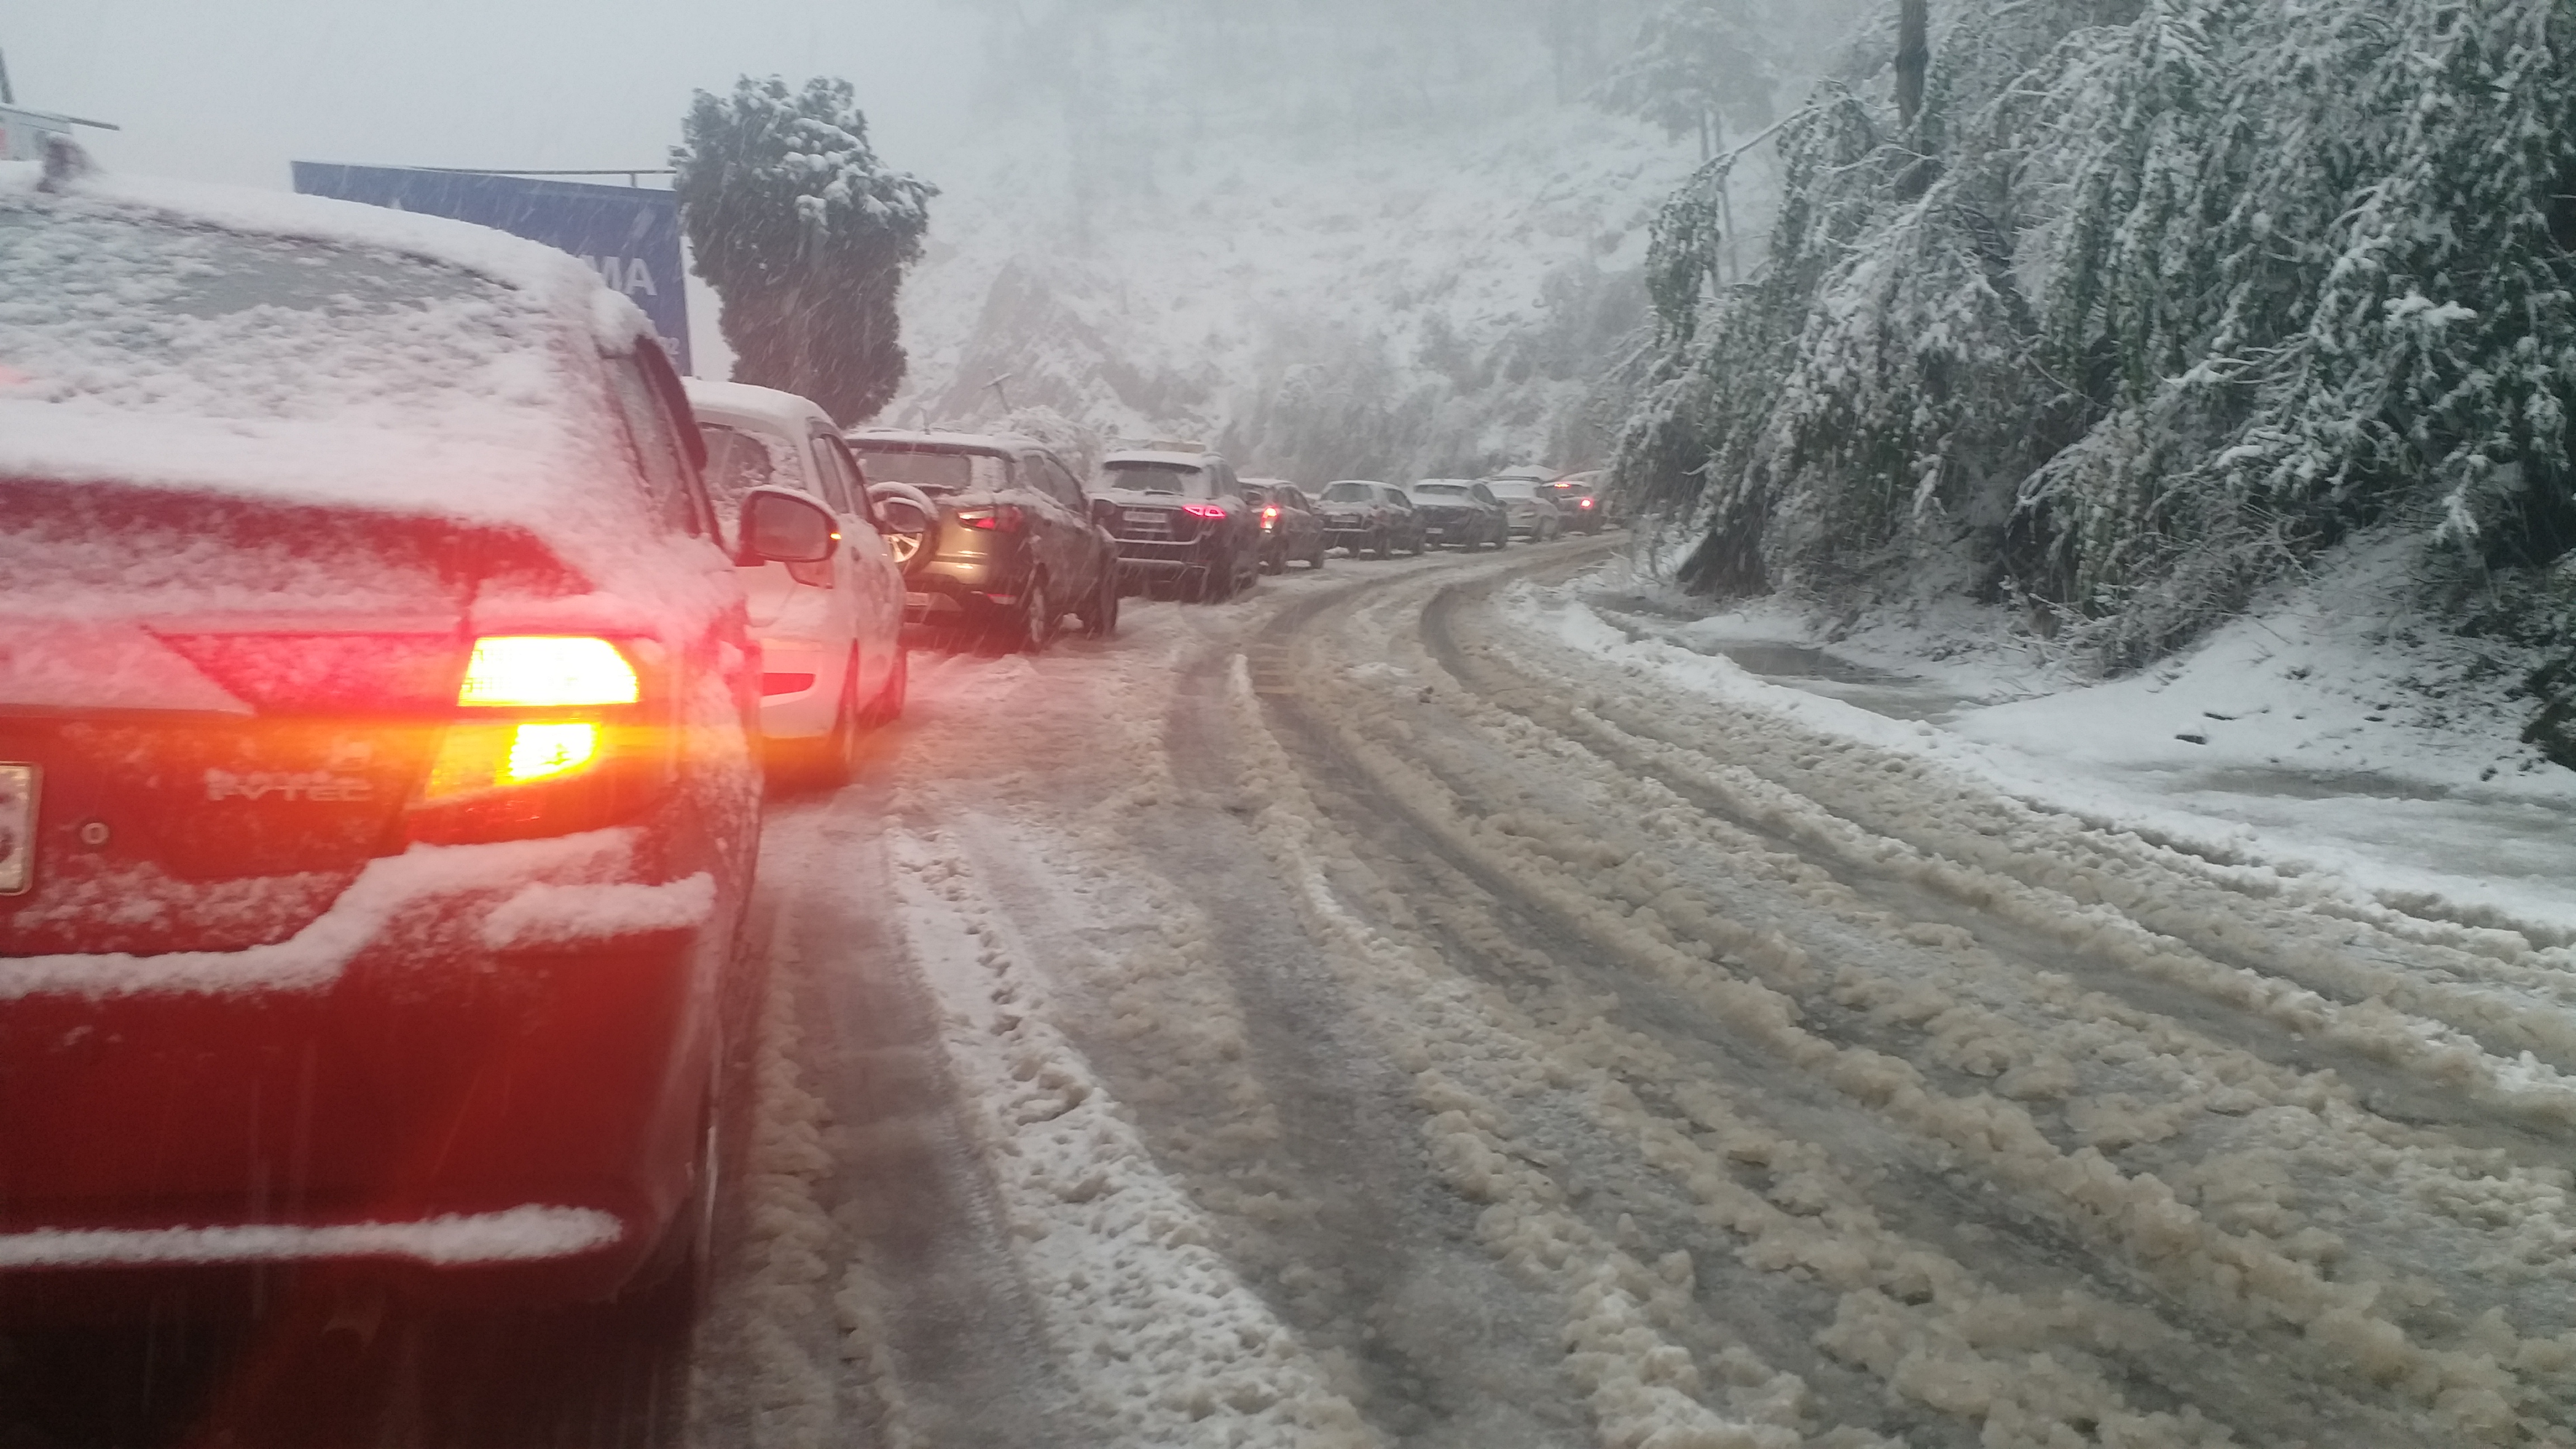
(1335, 238)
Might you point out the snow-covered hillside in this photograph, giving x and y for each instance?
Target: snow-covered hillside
(1356, 246)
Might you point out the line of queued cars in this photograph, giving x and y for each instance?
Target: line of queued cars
(382, 733)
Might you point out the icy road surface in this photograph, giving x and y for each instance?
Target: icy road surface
(1344, 1017)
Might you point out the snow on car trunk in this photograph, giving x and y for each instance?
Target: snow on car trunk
(301, 351)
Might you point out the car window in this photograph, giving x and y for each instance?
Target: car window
(834, 484)
(1185, 480)
(657, 447)
(1349, 493)
(841, 459)
(931, 470)
(1057, 479)
(1483, 494)
(740, 459)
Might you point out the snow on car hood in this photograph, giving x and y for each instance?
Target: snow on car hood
(299, 350)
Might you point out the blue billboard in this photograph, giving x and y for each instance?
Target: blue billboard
(628, 234)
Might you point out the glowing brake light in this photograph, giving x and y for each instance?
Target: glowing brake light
(1204, 510)
(1269, 518)
(543, 672)
(479, 757)
(1005, 519)
(1583, 503)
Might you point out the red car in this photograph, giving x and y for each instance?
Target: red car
(377, 799)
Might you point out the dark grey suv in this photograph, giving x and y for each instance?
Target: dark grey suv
(1182, 522)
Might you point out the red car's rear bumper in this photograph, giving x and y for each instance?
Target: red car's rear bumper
(502, 1081)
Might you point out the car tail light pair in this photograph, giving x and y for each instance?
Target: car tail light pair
(1006, 518)
(547, 739)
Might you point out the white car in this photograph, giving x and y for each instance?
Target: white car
(1527, 507)
(830, 633)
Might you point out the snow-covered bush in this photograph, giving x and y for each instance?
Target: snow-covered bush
(2150, 302)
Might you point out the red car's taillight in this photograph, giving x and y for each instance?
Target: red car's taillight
(549, 738)
(1004, 519)
(1269, 519)
(1204, 510)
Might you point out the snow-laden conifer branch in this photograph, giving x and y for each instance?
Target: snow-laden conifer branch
(2151, 301)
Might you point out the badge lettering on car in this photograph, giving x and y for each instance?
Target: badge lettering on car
(316, 787)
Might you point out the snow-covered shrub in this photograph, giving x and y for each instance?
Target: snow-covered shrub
(2152, 301)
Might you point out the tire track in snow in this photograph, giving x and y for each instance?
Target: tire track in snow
(1764, 1075)
(2425, 1362)
(2220, 994)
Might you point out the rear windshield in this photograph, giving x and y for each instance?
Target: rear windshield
(1513, 488)
(1443, 490)
(1175, 478)
(930, 471)
(163, 317)
(741, 459)
(1351, 493)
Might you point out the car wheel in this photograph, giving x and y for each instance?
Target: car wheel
(1100, 619)
(1275, 560)
(830, 759)
(1034, 627)
(1216, 584)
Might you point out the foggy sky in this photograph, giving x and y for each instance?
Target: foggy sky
(232, 90)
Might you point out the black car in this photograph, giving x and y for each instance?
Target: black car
(1365, 516)
(1182, 523)
(1290, 528)
(996, 537)
(1461, 513)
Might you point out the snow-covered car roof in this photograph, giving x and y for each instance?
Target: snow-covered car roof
(934, 438)
(1514, 487)
(786, 412)
(302, 350)
(1157, 458)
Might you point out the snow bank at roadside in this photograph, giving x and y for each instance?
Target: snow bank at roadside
(2313, 738)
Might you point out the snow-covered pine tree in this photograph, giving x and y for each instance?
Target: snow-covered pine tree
(805, 235)
(1696, 65)
(2188, 291)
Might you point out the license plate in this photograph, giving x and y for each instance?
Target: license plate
(17, 828)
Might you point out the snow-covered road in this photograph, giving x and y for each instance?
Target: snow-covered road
(1350, 1016)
